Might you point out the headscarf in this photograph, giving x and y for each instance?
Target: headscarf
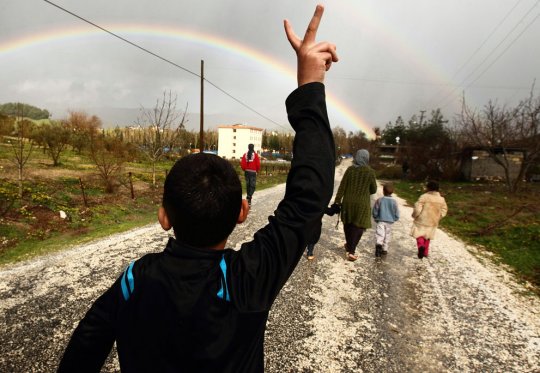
(250, 152)
(361, 158)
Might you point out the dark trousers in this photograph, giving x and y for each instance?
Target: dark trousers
(251, 181)
(310, 248)
(353, 234)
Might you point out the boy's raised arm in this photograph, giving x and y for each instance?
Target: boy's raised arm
(261, 268)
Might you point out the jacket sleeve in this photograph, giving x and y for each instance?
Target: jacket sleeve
(444, 209)
(257, 162)
(375, 210)
(243, 162)
(261, 267)
(373, 183)
(93, 338)
(396, 210)
(342, 187)
(418, 207)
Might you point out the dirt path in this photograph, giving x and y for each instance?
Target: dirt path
(453, 312)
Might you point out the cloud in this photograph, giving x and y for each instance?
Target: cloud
(396, 58)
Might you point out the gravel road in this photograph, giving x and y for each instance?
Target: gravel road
(453, 312)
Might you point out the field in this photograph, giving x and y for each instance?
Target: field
(33, 225)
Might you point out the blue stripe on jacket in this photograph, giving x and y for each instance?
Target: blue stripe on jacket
(224, 288)
(128, 281)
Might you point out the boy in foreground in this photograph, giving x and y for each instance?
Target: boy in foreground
(197, 306)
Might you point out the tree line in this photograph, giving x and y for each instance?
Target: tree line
(429, 145)
(433, 146)
(158, 133)
(32, 112)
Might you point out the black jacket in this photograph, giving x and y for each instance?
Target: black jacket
(194, 310)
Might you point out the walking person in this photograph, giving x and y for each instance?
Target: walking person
(385, 213)
(353, 194)
(251, 164)
(428, 211)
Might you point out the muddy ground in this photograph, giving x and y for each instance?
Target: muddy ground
(453, 312)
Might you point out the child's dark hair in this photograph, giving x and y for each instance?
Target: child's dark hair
(202, 198)
(388, 189)
(432, 186)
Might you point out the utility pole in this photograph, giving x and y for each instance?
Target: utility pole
(201, 134)
(422, 116)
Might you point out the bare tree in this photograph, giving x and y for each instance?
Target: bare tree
(54, 136)
(109, 153)
(83, 128)
(21, 145)
(162, 129)
(528, 132)
(356, 141)
(340, 140)
(7, 125)
(497, 129)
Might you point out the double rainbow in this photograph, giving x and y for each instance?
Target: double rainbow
(230, 46)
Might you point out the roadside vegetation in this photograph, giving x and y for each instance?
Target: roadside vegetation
(54, 213)
(484, 214)
(71, 181)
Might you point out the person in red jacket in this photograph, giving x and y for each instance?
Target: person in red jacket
(198, 306)
(251, 164)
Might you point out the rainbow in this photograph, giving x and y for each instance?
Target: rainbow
(370, 19)
(209, 40)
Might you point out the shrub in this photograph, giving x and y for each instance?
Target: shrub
(390, 172)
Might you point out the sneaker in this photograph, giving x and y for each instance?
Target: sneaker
(384, 252)
(378, 250)
(421, 250)
(311, 257)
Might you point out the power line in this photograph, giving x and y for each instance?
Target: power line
(483, 43)
(504, 51)
(449, 96)
(164, 60)
(421, 83)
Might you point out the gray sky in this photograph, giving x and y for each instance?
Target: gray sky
(396, 57)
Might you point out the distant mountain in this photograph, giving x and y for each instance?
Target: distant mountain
(26, 110)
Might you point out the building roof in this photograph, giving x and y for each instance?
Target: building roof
(240, 126)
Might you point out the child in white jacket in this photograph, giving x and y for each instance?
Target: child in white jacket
(428, 211)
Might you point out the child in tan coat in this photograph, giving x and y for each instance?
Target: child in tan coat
(428, 211)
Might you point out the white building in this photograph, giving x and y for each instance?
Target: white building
(233, 140)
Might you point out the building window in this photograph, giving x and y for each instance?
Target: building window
(234, 137)
(234, 130)
(233, 144)
(234, 151)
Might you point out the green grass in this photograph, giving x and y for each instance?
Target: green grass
(485, 214)
(118, 222)
(33, 228)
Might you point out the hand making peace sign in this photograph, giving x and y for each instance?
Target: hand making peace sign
(314, 59)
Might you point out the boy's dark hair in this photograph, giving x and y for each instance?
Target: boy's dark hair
(388, 189)
(432, 186)
(202, 198)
